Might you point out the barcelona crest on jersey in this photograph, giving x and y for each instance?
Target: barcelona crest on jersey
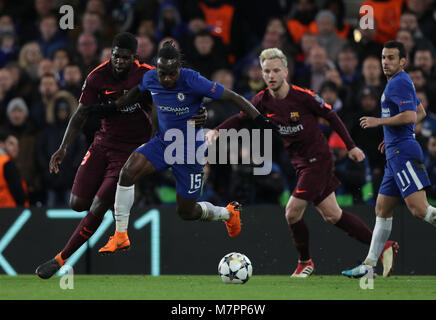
(294, 116)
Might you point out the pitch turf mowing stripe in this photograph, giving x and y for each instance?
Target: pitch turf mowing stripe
(184, 287)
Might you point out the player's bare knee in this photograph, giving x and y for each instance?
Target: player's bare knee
(417, 211)
(292, 216)
(127, 177)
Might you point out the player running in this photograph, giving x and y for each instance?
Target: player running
(121, 132)
(296, 110)
(405, 174)
(177, 93)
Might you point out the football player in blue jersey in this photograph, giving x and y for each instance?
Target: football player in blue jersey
(405, 175)
(177, 94)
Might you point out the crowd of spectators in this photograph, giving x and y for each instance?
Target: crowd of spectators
(42, 69)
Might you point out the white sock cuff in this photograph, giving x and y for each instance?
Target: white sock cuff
(204, 210)
(384, 223)
(125, 188)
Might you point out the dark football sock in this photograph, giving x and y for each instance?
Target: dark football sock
(354, 227)
(300, 235)
(83, 232)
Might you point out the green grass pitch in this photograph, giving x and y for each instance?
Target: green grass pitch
(190, 287)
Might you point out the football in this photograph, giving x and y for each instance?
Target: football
(235, 268)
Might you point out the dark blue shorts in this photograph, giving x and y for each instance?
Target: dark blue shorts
(189, 177)
(403, 176)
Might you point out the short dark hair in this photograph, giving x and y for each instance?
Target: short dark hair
(125, 40)
(169, 51)
(396, 45)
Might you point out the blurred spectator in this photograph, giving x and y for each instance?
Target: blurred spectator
(169, 21)
(21, 83)
(218, 111)
(19, 124)
(419, 80)
(58, 186)
(29, 58)
(223, 18)
(51, 37)
(406, 38)
(409, 21)
(73, 80)
(61, 59)
(8, 48)
(96, 6)
(353, 175)
(302, 15)
(365, 43)
(317, 67)
(308, 41)
(87, 48)
(424, 11)
(387, 17)
(206, 57)
(327, 37)
(337, 7)
(330, 93)
(146, 49)
(424, 58)
(430, 165)
(428, 124)
(343, 91)
(48, 88)
(146, 28)
(6, 93)
(11, 190)
(372, 77)
(251, 81)
(348, 66)
(6, 24)
(369, 139)
(46, 66)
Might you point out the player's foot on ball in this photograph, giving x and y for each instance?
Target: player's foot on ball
(387, 257)
(234, 223)
(118, 242)
(304, 269)
(359, 271)
(49, 268)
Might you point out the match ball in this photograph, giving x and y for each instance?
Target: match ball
(235, 268)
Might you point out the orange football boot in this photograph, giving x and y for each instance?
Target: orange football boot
(118, 242)
(234, 223)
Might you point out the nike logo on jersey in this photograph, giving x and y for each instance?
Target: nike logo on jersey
(109, 92)
(270, 115)
(153, 93)
(300, 191)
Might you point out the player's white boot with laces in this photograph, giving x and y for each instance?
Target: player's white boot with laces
(304, 269)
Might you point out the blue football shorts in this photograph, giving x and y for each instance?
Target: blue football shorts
(403, 176)
(189, 177)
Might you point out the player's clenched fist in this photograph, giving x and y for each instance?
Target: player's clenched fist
(211, 136)
(356, 154)
(56, 159)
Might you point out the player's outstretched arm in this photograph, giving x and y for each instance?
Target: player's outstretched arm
(243, 104)
(403, 118)
(420, 113)
(133, 96)
(74, 127)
